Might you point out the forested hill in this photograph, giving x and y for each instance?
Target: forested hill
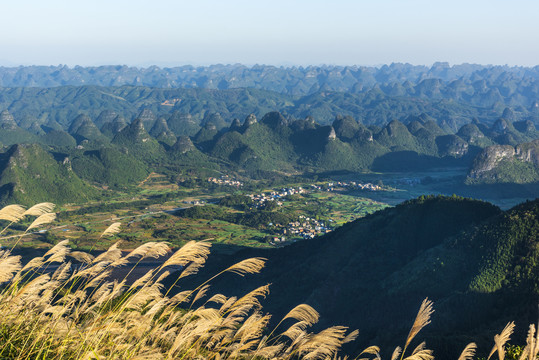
(478, 264)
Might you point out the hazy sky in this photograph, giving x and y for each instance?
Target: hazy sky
(293, 32)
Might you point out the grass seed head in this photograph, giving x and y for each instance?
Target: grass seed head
(40, 209)
(248, 266)
(422, 319)
(12, 213)
(468, 352)
(112, 229)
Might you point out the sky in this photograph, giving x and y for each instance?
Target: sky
(290, 33)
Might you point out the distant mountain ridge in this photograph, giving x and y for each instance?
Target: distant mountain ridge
(371, 94)
(395, 78)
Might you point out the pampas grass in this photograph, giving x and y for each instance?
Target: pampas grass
(78, 311)
(112, 229)
(468, 352)
(500, 340)
(53, 308)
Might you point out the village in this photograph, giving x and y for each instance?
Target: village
(305, 227)
(261, 200)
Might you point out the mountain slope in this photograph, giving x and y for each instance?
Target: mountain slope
(478, 264)
(109, 166)
(506, 164)
(138, 142)
(29, 174)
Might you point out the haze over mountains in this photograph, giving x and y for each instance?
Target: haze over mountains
(286, 80)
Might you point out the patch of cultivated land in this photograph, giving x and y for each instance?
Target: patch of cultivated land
(144, 220)
(147, 213)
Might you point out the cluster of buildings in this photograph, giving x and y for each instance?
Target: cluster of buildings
(225, 180)
(305, 227)
(261, 200)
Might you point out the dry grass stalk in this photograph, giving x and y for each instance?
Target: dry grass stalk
(396, 353)
(113, 229)
(422, 319)
(303, 312)
(468, 352)
(500, 340)
(12, 213)
(40, 209)
(247, 266)
(42, 220)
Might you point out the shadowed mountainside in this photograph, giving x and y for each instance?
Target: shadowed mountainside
(478, 264)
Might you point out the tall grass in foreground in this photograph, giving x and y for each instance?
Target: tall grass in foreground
(69, 305)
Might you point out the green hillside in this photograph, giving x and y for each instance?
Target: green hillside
(29, 174)
(506, 164)
(110, 167)
(136, 140)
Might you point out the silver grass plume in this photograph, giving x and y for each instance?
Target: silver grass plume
(40, 209)
(247, 266)
(468, 352)
(193, 251)
(112, 229)
(12, 213)
(419, 348)
(62, 244)
(8, 266)
(82, 257)
(201, 293)
(396, 353)
(150, 250)
(42, 220)
(422, 319)
(531, 349)
(500, 340)
(112, 254)
(423, 354)
(372, 350)
(303, 312)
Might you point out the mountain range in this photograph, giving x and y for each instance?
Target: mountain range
(58, 106)
(121, 153)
